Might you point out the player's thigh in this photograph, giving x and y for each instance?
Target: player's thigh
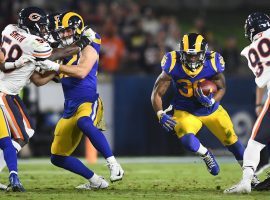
(67, 136)
(4, 128)
(220, 124)
(93, 110)
(186, 123)
(17, 116)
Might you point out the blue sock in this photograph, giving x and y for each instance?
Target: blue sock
(72, 164)
(96, 137)
(10, 154)
(190, 142)
(238, 151)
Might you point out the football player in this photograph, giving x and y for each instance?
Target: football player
(192, 109)
(83, 110)
(20, 43)
(257, 30)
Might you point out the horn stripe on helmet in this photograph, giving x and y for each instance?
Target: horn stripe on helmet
(68, 16)
(185, 43)
(198, 43)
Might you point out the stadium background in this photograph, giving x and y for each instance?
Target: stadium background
(135, 35)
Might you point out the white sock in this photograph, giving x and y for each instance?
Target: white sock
(111, 160)
(202, 150)
(252, 154)
(94, 178)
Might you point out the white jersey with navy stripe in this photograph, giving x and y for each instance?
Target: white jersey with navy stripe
(16, 42)
(258, 56)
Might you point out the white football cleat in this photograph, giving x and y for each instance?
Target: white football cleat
(242, 187)
(116, 171)
(3, 187)
(101, 183)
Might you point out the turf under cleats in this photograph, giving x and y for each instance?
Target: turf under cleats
(211, 163)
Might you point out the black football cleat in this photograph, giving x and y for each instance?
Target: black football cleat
(264, 185)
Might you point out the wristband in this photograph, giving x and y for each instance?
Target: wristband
(9, 65)
(159, 113)
(257, 105)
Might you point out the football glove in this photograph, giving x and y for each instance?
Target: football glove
(48, 65)
(206, 101)
(83, 42)
(89, 33)
(20, 62)
(166, 121)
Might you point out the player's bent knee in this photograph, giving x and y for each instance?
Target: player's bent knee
(57, 160)
(84, 122)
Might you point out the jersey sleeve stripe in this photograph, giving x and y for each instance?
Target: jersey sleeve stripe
(42, 55)
(43, 51)
(98, 41)
(173, 60)
(213, 62)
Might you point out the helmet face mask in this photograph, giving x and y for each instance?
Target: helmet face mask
(192, 51)
(69, 28)
(193, 60)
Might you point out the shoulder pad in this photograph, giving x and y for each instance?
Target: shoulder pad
(217, 62)
(169, 60)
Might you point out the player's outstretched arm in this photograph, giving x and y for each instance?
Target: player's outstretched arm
(161, 86)
(4, 66)
(61, 53)
(219, 80)
(41, 79)
(88, 58)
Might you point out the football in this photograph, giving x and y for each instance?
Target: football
(207, 87)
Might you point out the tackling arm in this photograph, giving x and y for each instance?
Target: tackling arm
(220, 81)
(161, 86)
(60, 53)
(41, 79)
(87, 60)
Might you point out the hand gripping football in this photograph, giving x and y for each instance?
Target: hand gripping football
(208, 87)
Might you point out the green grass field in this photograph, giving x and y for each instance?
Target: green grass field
(141, 181)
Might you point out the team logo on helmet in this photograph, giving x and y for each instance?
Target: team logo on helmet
(34, 17)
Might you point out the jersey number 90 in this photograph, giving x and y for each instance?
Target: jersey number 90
(255, 55)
